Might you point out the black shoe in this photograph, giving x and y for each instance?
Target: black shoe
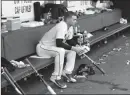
(69, 78)
(59, 83)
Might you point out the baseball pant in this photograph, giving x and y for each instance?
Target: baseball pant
(59, 54)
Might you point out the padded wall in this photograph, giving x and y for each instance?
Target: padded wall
(22, 42)
(109, 18)
(91, 23)
(97, 21)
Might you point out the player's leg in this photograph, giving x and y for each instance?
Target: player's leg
(58, 54)
(58, 68)
(70, 56)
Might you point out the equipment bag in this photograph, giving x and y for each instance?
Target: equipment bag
(85, 69)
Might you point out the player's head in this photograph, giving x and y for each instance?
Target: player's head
(70, 18)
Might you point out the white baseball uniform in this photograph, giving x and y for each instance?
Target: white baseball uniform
(47, 48)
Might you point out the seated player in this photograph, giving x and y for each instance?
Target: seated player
(58, 43)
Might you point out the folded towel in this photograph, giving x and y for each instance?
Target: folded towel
(19, 64)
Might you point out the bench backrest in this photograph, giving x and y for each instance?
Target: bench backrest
(97, 21)
(22, 42)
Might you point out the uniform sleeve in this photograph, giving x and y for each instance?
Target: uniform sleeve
(59, 43)
(72, 42)
(61, 31)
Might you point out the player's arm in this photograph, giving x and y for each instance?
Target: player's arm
(60, 43)
(71, 42)
(60, 36)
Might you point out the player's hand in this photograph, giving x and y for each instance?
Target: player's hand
(77, 49)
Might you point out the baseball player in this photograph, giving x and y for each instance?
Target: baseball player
(58, 43)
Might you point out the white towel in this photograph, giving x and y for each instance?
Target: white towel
(19, 64)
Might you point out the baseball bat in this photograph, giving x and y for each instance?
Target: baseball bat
(94, 63)
(9, 78)
(42, 79)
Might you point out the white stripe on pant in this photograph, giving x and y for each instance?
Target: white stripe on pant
(59, 54)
